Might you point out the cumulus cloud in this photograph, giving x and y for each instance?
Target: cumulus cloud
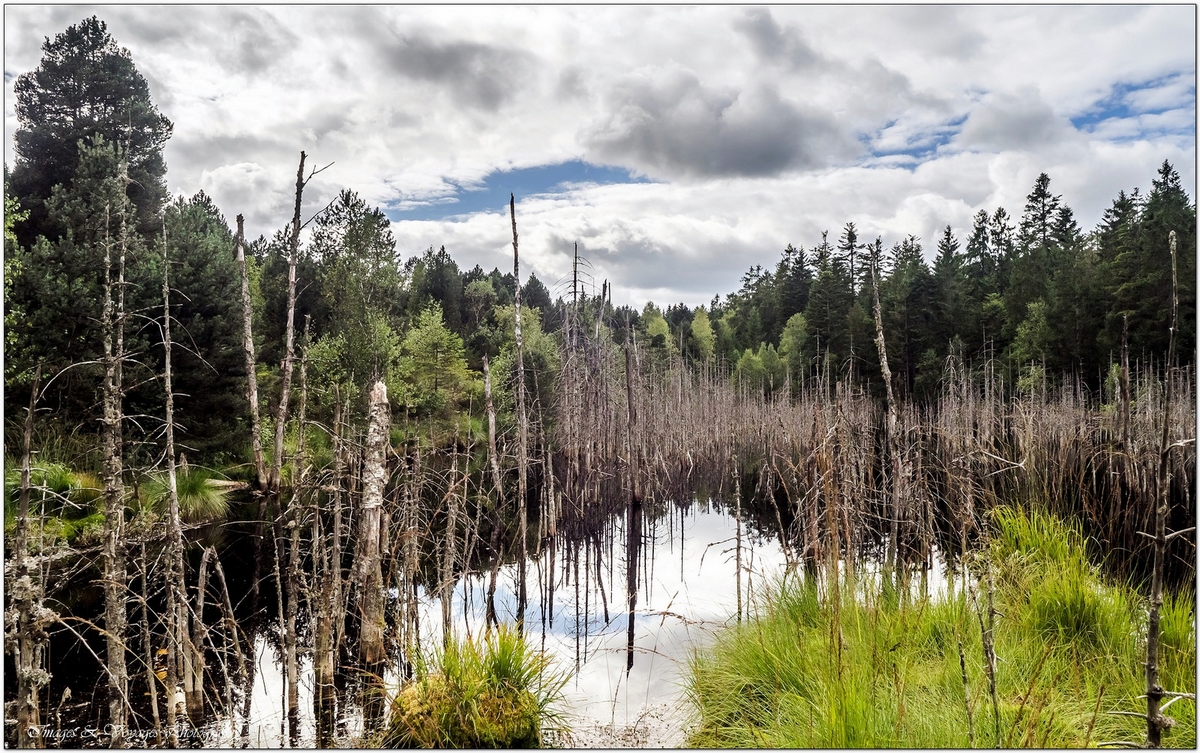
(1013, 120)
(672, 125)
(477, 75)
(772, 42)
(761, 127)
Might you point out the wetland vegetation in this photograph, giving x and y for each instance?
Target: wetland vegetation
(302, 490)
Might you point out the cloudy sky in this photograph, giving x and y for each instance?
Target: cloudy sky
(677, 146)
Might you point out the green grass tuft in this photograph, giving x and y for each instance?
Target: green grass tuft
(498, 692)
(866, 669)
(200, 500)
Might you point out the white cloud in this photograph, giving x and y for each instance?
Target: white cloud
(760, 124)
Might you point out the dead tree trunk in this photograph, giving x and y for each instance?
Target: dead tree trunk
(289, 333)
(369, 566)
(176, 589)
(327, 587)
(294, 515)
(113, 323)
(633, 511)
(1125, 397)
(148, 647)
(892, 439)
(1155, 721)
(248, 352)
(26, 593)
(522, 429)
(494, 462)
(194, 695)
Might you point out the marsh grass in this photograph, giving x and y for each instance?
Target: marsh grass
(200, 500)
(873, 669)
(64, 502)
(497, 692)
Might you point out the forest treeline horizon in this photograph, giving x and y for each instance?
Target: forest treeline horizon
(1031, 293)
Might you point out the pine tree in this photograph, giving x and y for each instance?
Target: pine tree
(85, 86)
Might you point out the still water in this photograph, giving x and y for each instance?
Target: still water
(688, 589)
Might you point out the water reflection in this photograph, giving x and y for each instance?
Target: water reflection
(687, 591)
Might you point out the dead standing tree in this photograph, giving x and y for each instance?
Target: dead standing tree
(522, 428)
(177, 649)
(25, 590)
(1155, 721)
(248, 352)
(112, 391)
(368, 563)
(289, 338)
(892, 428)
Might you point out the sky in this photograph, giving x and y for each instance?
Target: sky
(676, 146)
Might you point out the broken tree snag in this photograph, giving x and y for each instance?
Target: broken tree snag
(370, 570)
(1155, 721)
(493, 461)
(113, 323)
(176, 587)
(633, 521)
(248, 352)
(194, 693)
(289, 339)
(522, 428)
(892, 443)
(26, 592)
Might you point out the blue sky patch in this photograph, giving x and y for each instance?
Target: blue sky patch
(492, 194)
(919, 147)
(1127, 101)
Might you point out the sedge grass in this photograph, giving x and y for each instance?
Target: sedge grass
(861, 669)
(497, 692)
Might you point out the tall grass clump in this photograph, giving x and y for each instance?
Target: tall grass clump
(200, 499)
(856, 666)
(63, 500)
(498, 692)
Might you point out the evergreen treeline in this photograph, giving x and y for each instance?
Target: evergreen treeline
(1034, 292)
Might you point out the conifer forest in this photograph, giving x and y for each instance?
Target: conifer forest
(315, 489)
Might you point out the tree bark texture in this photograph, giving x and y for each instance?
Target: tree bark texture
(248, 353)
(522, 430)
(113, 322)
(289, 338)
(25, 590)
(369, 565)
(1155, 721)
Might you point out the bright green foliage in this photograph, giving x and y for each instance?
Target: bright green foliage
(793, 345)
(1034, 336)
(498, 692)
(432, 364)
(703, 339)
(65, 502)
(654, 328)
(865, 668)
(12, 269)
(542, 361)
